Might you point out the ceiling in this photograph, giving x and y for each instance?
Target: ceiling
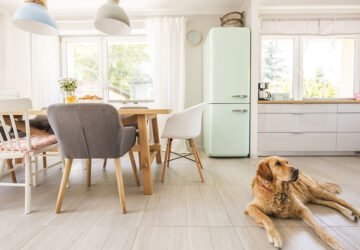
(87, 8)
(138, 7)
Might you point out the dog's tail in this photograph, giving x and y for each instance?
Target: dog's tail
(332, 187)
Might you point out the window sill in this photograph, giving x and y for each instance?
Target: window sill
(310, 101)
(129, 101)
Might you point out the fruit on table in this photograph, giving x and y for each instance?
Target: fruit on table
(90, 97)
(71, 99)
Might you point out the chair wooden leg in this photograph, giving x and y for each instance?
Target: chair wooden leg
(198, 164)
(120, 184)
(198, 156)
(104, 165)
(167, 154)
(133, 164)
(44, 160)
(64, 181)
(88, 172)
(12, 174)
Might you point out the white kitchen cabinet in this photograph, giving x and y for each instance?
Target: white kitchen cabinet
(348, 122)
(297, 122)
(349, 108)
(296, 108)
(303, 142)
(348, 142)
(304, 128)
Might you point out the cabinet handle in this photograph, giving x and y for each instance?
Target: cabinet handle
(240, 96)
(240, 110)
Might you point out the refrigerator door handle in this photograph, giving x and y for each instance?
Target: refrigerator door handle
(240, 96)
(240, 110)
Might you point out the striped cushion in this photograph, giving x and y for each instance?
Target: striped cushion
(37, 142)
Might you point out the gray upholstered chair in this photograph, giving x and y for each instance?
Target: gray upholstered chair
(131, 153)
(88, 131)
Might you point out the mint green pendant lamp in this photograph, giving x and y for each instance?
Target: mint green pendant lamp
(112, 19)
(33, 17)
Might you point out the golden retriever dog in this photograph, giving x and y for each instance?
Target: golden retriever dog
(281, 190)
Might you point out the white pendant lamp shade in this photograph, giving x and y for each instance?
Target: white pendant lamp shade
(112, 19)
(33, 17)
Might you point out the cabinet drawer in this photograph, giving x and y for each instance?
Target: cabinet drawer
(297, 108)
(348, 142)
(349, 108)
(297, 122)
(348, 122)
(286, 142)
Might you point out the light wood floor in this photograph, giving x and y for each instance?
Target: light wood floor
(181, 214)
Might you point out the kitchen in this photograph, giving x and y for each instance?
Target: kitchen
(141, 125)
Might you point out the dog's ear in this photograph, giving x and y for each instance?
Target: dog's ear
(264, 171)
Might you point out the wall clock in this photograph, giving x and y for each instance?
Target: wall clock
(194, 38)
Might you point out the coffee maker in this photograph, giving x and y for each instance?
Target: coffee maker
(264, 93)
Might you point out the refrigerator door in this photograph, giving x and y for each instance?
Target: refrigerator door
(227, 132)
(227, 65)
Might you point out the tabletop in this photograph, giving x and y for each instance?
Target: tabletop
(121, 112)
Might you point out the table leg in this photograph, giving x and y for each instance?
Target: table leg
(145, 155)
(156, 138)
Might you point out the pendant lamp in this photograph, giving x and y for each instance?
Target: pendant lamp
(33, 17)
(112, 19)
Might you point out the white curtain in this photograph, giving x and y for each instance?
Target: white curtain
(29, 64)
(45, 68)
(310, 26)
(166, 38)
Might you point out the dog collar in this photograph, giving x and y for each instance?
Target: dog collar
(265, 187)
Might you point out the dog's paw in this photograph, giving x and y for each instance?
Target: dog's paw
(335, 244)
(274, 238)
(353, 217)
(357, 212)
(333, 188)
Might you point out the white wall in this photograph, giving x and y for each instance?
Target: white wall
(251, 9)
(194, 59)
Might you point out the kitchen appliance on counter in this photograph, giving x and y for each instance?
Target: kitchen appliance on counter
(263, 92)
(226, 70)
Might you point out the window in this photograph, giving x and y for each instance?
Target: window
(83, 64)
(309, 67)
(129, 71)
(277, 64)
(328, 68)
(116, 69)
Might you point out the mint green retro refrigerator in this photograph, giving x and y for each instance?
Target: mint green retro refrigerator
(226, 89)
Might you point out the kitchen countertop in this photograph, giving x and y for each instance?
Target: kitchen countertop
(308, 101)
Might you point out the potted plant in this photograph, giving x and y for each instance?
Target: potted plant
(68, 85)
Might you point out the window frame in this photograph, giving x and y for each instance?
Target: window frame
(295, 79)
(298, 56)
(103, 41)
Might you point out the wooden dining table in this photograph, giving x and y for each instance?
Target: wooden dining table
(147, 152)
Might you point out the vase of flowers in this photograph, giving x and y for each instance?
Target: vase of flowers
(68, 85)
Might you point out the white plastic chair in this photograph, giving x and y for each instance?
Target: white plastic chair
(28, 147)
(184, 125)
